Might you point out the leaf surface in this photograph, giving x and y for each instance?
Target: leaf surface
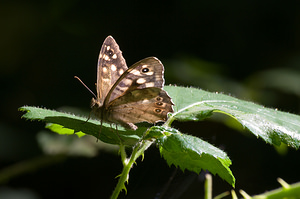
(65, 123)
(271, 125)
(194, 154)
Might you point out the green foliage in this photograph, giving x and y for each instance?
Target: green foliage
(192, 153)
(271, 125)
(286, 191)
(184, 151)
(65, 123)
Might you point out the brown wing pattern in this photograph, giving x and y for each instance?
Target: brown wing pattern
(111, 65)
(146, 73)
(149, 104)
(128, 96)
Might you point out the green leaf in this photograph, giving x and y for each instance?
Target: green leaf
(194, 154)
(271, 125)
(65, 123)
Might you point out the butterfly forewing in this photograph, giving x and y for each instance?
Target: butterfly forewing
(146, 73)
(111, 65)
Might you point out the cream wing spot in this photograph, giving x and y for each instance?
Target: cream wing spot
(114, 56)
(141, 80)
(121, 71)
(105, 57)
(136, 72)
(145, 101)
(149, 84)
(113, 67)
(149, 73)
(107, 47)
(127, 82)
(106, 79)
(104, 70)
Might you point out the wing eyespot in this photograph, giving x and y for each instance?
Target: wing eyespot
(157, 110)
(159, 103)
(145, 70)
(110, 52)
(159, 99)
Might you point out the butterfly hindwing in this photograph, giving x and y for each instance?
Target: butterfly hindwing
(147, 104)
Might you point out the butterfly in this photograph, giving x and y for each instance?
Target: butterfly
(126, 96)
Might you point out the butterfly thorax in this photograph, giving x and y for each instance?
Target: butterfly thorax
(97, 108)
(104, 113)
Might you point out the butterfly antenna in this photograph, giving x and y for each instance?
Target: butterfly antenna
(85, 86)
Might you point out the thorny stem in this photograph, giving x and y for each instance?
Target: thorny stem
(138, 150)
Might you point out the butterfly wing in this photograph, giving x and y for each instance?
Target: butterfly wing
(146, 73)
(137, 96)
(143, 105)
(128, 96)
(111, 65)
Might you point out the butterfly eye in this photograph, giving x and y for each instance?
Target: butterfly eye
(145, 70)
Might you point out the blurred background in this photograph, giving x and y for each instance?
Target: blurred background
(248, 49)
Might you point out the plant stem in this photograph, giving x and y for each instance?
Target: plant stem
(208, 186)
(138, 150)
(123, 154)
(290, 191)
(169, 121)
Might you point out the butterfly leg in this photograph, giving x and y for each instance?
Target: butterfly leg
(99, 131)
(128, 125)
(88, 118)
(121, 140)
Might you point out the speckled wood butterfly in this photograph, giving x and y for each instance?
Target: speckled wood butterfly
(126, 96)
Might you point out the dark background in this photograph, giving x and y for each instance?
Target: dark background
(248, 49)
